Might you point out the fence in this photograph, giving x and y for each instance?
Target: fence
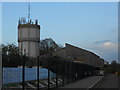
(59, 72)
(70, 71)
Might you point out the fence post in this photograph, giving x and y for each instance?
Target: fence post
(72, 72)
(38, 73)
(48, 76)
(68, 72)
(63, 73)
(23, 74)
(56, 75)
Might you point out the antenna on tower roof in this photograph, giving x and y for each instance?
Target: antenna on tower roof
(28, 11)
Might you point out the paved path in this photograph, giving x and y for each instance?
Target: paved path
(109, 81)
(84, 83)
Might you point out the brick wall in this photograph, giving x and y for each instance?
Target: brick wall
(79, 55)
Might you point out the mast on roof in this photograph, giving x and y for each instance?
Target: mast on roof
(28, 12)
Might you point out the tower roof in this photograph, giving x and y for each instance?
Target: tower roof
(28, 26)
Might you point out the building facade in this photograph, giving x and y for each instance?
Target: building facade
(80, 55)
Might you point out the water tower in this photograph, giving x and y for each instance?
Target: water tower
(28, 37)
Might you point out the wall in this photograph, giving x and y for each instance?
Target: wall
(28, 39)
(79, 55)
(82, 56)
(60, 53)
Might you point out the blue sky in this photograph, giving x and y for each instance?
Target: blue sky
(89, 25)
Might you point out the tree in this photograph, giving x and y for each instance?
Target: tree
(114, 66)
(48, 45)
(11, 56)
(113, 62)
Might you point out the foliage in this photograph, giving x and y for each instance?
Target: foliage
(113, 67)
(11, 56)
(113, 62)
(48, 45)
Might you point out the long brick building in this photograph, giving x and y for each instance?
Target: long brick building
(73, 53)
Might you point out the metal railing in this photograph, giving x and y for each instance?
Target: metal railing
(65, 72)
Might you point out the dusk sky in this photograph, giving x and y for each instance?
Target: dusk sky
(89, 25)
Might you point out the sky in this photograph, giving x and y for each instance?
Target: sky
(89, 25)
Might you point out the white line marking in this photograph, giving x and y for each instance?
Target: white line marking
(95, 83)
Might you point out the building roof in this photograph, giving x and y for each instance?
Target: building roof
(28, 26)
(82, 49)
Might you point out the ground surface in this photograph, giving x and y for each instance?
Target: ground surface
(109, 81)
(83, 83)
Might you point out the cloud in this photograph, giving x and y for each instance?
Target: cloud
(108, 44)
(106, 49)
(99, 42)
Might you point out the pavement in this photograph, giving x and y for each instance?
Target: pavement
(110, 81)
(84, 83)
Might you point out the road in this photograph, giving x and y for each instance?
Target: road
(109, 81)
